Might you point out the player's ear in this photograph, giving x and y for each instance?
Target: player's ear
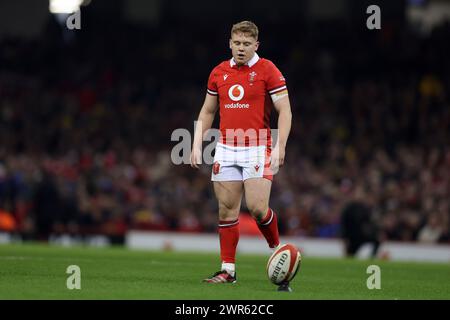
(257, 45)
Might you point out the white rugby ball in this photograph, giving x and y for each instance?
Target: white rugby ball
(283, 264)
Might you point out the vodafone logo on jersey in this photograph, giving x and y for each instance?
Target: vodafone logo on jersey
(236, 92)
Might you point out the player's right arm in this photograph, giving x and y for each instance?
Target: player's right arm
(204, 122)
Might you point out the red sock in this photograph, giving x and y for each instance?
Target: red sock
(269, 228)
(229, 238)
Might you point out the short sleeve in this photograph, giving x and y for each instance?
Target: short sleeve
(275, 80)
(212, 84)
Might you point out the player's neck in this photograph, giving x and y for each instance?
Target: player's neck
(248, 63)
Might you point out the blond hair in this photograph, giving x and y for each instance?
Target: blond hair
(246, 27)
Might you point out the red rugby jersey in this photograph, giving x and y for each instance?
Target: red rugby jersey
(245, 98)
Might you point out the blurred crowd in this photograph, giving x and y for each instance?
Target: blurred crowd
(86, 123)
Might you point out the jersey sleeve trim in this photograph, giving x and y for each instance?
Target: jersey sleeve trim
(211, 92)
(277, 89)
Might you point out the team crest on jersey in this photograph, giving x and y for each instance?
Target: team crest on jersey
(257, 168)
(251, 76)
(216, 167)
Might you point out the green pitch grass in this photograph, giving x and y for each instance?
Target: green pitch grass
(39, 272)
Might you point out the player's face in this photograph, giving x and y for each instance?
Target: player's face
(243, 47)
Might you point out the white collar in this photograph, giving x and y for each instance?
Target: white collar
(250, 62)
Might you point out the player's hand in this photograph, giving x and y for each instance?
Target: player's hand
(196, 157)
(277, 157)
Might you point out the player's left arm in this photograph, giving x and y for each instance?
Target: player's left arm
(283, 107)
(278, 92)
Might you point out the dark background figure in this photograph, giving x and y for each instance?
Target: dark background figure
(358, 224)
(47, 206)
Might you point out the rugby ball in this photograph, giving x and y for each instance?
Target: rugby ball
(283, 264)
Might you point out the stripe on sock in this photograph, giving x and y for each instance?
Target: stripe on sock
(223, 224)
(270, 219)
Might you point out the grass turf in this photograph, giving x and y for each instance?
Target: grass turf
(39, 272)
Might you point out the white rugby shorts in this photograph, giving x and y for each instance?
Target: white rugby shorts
(240, 163)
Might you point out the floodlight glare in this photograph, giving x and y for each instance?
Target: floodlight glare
(64, 6)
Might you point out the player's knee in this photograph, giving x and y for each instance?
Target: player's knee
(227, 212)
(258, 211)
